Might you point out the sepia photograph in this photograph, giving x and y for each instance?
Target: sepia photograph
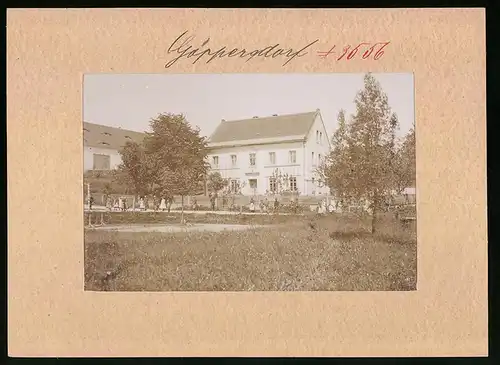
(249, 182)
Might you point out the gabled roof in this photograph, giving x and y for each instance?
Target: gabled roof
(96, 135)
(277, 128)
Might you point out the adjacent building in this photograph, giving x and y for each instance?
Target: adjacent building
(102, 145)
(249, 152)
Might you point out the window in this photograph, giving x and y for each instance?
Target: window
(86, 130)
(234, 160)
(272, 184)
(127, 137)
(272, 158)
(252, 159)
(215, 161)
(319, 159)
(234, 186)
(293, 183)
(320, 137)
(292, 157)
(312, 158)
(106, 133)
(101, 162)
(253, 184)
(104, 143)
(317, 136)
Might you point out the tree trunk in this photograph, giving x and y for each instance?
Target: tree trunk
(182, 209)
(374, 212)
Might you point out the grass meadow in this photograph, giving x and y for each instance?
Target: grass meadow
(330, 253)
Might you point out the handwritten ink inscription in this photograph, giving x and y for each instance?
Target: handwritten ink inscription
(184, 47)
(362, 50)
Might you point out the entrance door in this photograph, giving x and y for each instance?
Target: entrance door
(252, 183)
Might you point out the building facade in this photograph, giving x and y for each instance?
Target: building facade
(251, 152)
(101, 146)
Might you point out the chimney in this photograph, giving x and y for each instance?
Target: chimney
(275, 115)
(255, 116)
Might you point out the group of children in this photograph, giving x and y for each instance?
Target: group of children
(162, 204)
(264, 204)
(120, 204)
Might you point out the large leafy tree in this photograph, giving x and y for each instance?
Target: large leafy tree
(362, 164)
(175, 154)
(170, 161)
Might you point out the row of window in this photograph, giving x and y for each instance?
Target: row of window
(292, 159)
(273, 184)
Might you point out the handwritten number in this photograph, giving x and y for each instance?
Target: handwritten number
(346, 49)
(380, 52)
(349, 53)
(368, 52)
(355, 50)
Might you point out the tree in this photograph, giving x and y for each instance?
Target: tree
(216, 183)
(133, 171)
(407, 161)
(335, 168)
(107, 191)
(231, 190)
(361, 166)
(282, 184)
(175, 157)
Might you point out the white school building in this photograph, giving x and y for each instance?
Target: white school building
(248, 151)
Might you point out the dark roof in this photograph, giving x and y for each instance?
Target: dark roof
(265, 127)
(96, 135)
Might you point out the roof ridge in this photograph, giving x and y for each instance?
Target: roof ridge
(292, 124)
(111, 127)
(268, 116)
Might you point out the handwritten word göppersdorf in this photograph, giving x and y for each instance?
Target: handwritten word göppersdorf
(183, 47)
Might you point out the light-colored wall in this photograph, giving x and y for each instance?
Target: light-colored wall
(322, 148)
(263, 169)
(88, 157)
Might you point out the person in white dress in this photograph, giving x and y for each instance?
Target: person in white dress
(142, 206)
(252, 206)
(163, 204)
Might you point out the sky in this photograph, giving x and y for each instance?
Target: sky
(129, 101)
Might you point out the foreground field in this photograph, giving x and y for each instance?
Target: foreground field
(329, 253)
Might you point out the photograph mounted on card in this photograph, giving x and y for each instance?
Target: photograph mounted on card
(296, 182)
(247, 182)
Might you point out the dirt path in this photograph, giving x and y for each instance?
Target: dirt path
(171, 228)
